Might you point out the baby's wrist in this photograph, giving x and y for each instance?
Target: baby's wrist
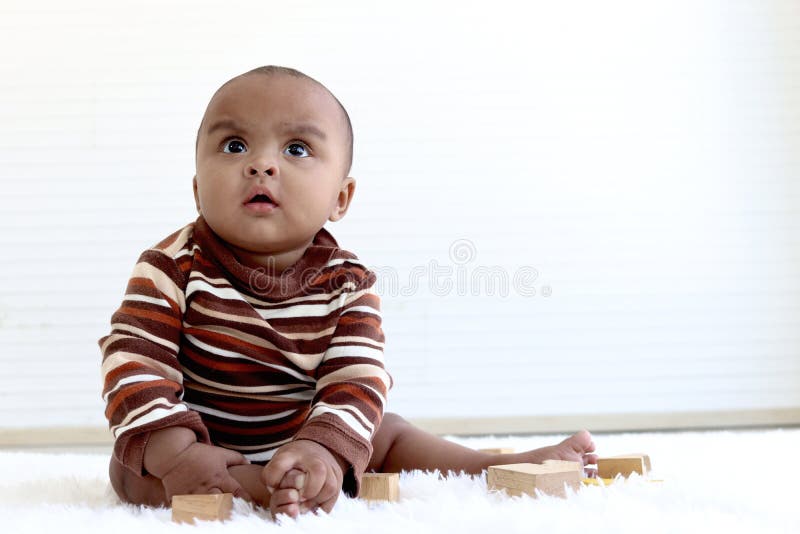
(164, 447)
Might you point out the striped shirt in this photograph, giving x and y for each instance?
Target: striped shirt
(249, 360)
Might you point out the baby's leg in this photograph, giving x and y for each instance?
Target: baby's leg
(398, 445)
(149, 491)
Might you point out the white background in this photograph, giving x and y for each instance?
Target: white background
(642, 157)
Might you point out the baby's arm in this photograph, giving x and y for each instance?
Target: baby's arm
(347, 408)
(142, 377)
(188, 467)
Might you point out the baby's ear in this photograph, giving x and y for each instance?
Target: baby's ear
(196, 196)
(346, 192)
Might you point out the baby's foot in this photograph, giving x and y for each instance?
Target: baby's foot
(577, 448)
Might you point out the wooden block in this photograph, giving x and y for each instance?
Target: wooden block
(623, 465)
(498, 450)
(187, 508)
(565, 463)
(380, 487)
(550, 479)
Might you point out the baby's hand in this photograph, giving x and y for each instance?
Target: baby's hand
(303, 475)
(285, 499)
(203, 469)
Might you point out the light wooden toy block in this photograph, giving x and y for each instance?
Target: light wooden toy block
(380, 487)
(623, 465)
(565, 463)
(498, 450)
(187, 508)
(550, 479)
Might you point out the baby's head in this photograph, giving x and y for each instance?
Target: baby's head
(274, 151)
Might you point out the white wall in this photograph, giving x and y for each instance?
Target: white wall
(642, 157)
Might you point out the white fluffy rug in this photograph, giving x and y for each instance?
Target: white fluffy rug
(713, 482)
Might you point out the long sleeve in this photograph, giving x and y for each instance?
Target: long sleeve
(248, 359)
(351, 383)
(142, 379)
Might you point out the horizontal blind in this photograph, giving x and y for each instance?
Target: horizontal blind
(575, 208)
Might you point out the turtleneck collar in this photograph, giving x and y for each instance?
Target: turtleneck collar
(257, 281)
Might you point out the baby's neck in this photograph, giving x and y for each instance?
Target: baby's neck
(273, 263)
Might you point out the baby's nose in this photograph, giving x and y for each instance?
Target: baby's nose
(257, 169)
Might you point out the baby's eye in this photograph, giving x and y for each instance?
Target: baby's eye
(234, 146)
(297, 150)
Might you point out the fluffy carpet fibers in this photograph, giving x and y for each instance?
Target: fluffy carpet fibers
(713, 482)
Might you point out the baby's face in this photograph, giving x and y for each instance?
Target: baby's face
(271, 157)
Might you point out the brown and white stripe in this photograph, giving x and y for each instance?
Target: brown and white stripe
(246, 366)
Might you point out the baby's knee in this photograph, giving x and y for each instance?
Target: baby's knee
(393, 420)
(393, 426)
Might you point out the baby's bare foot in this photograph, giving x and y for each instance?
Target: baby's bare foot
(577, 448)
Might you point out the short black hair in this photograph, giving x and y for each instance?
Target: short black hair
(272, 70)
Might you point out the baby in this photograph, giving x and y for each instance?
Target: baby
(247, 354)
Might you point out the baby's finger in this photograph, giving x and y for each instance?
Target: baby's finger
(590, 459)
(316, 474)
(294, 478)
(292, 510)
(230, 485)
(234, 458)
(285, 501)
(276, 469)
(306, 507)
(327, 506)
(329, 493)
(326, 496)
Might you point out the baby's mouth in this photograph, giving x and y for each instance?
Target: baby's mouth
(260, 199)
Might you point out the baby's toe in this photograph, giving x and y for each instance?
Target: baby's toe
(581, 442)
